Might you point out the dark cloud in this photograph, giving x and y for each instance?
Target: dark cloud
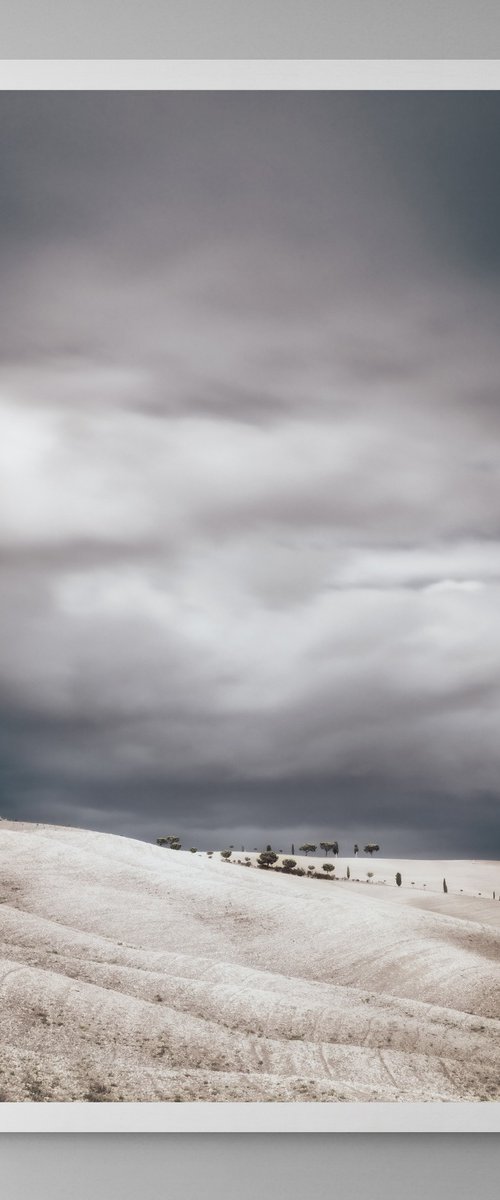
(441, 150)
(249, 413)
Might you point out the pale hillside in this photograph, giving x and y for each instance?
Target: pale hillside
(129, 972)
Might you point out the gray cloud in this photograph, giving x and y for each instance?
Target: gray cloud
(250, 494)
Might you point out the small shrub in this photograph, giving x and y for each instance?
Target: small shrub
(267, 859)
(226, 855)
(193, 849)
(369, 874)
(328, 867)
(288, 864)
(172, 842)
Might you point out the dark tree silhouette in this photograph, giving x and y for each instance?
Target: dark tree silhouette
(371, 848)
(327, 846)
(308, 847)
(398, 879)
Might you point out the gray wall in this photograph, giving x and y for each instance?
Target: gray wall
(246, 1166)
(250, 28)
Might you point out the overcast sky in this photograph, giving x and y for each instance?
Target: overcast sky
(249, 467)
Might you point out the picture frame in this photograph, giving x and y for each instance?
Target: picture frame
(250, 75)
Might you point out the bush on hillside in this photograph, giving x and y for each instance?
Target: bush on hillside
(171, 841)
(267, 859)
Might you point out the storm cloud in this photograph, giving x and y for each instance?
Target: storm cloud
(249, 467)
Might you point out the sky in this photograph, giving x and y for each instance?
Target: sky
(249, 467)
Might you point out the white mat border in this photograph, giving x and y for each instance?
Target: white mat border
(342, 1117)
(249, 74)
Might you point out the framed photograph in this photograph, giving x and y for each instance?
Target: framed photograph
(249, 428)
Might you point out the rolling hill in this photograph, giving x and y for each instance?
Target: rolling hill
(129, 972)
